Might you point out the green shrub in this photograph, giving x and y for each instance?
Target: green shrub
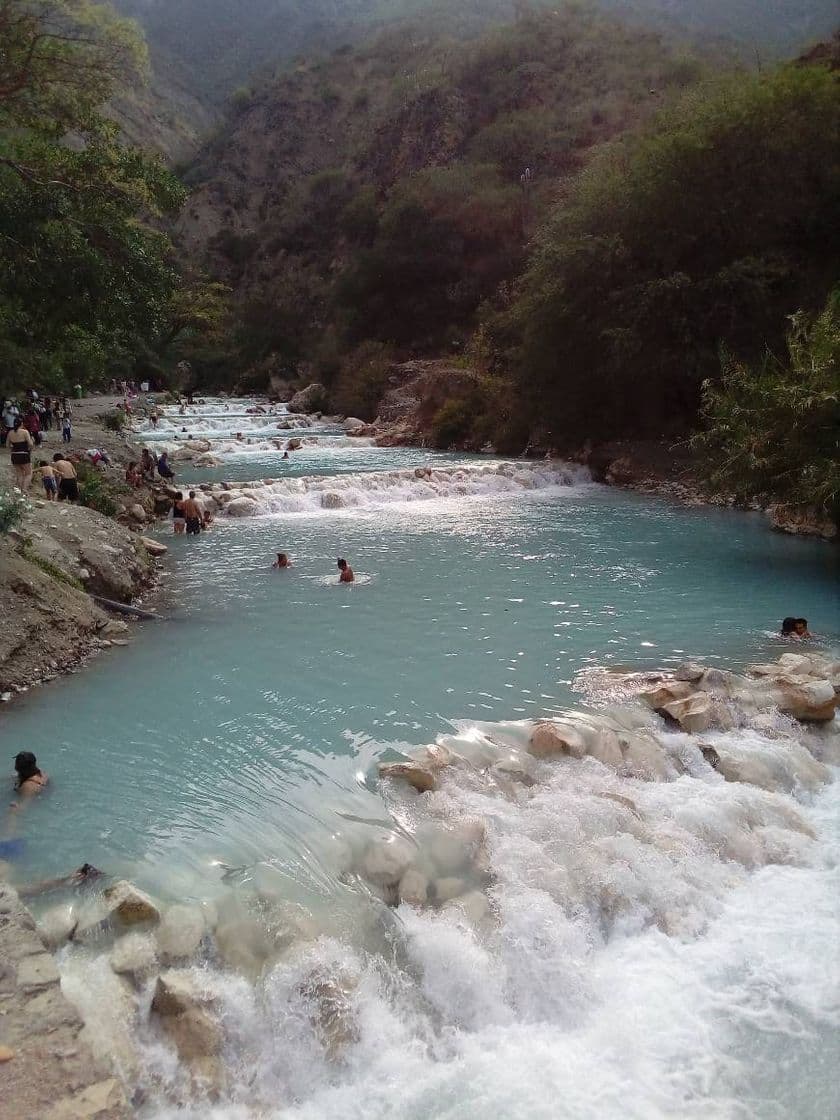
(452, 423)
(13, 506)
(96, 491)
(114, 421)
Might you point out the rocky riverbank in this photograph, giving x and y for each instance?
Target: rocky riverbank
(60, 555)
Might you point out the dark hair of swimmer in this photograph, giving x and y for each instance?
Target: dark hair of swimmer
(341, 563)
(789, 625)
(26, 767)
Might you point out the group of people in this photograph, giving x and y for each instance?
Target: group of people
(188, 516)
(345, 572)
(59, 477)
(36, 416)
(150, 464)
(796, 628)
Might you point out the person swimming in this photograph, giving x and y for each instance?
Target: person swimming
(346, 572)
(282, 561)
(795, 628)
(30, 778)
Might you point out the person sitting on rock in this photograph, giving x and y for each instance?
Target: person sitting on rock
(282, 561)
(163, 467)
(133, 476)
(68, 486)
(147, 464)
(346, 572)
(31, 780)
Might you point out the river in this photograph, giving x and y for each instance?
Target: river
(231, 750)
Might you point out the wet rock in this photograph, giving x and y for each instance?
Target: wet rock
(36, 972)
(814, 702)
(113, 628)
(449, 888)
(688, 671)
(135, 957)
(180, 933)
(241, 507)
(244, 945)
(129, 905)
(154, 548)
(455, 848)
(101, 1101)
(664, 694)
(710, 755)
(331, 500)
(185, 1015)
(473, 906)
(693, 714)
(624, 802)
(352, 422)
(294, 444)
(386, 860)
(58, 925)
(420, 777)
(332, 1016)
(549, 739)
(414, 887)
(515, 768)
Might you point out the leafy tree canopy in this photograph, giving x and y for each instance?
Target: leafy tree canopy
(710, 226)
(82, 272)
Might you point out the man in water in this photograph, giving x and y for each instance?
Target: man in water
(282, 561)
(192, 512)
(68, 486)
(345, 571)
(796, 628)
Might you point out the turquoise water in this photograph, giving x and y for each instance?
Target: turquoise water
(268, 694)
(672, 963)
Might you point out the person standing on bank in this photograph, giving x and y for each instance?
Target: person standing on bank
(20, 444)
(68, 486)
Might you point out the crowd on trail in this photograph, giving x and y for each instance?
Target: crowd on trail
(23, 434)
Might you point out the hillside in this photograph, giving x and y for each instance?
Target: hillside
(212, 47)
(378, 193)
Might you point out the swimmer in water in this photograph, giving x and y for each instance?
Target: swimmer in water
(345, 571)
(31, 780)
(796, 628)
(285, 454)
(282, 561)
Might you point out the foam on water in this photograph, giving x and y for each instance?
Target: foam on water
(381, 488)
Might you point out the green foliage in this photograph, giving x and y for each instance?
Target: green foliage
(114, 421)
(48, 568)
(452, 423)
(362, 379)
(773, 429)
(13, 506)
(711, 226)
(97, 491)
(82, 272)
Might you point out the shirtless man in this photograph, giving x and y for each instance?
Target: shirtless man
(192, 512)
(345, 571)
(68, 487)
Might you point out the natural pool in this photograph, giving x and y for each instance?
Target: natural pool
(243, 731)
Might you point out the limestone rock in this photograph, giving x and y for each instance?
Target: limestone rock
(452, 849)
(449, 888)
(473, 905)
(421, 778)
(549, 739)
(6, 1054)
(294, 444)
(244, 945)
(185, 1015)
(241, 507)
(113, 628)
(688, 671)
(130, 905)
(667, 693)
(134, 956)
(310, 399)
(386, 860)
(414, 887)
(352, 422)
(694, 713)
(154, 548)
(137, 513)
(101, 1101)
(332, 1016)
(180, 933)
(57, 925)
(814, 702)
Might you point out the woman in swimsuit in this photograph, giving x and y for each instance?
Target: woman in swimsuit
(179, 518)
(30, 779)
(20, 444)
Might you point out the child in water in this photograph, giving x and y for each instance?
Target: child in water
(282, 561)
(346, 572)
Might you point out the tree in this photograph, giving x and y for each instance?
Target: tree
(773, 430)
(83, 273)
(711, 226)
